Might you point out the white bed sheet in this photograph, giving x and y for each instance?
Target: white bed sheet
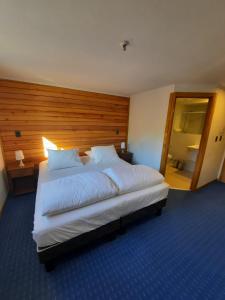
(59, 228)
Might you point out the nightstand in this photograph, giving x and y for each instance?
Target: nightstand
(127, 156)
(22, 180)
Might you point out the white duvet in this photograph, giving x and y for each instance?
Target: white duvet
(133, 178)
(83, 189)
(72, 192)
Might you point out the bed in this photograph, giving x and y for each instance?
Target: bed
(58, 234)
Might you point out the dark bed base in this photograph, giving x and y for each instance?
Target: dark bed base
(48, 256)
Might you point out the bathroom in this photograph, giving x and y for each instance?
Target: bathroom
(188, 124)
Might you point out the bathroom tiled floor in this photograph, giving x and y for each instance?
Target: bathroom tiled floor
(178, 179)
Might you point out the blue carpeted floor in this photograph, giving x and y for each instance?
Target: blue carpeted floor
(180, 255)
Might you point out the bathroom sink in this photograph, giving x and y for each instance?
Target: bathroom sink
(193, 147)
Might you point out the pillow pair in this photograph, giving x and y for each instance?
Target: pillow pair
(61, 159)
(103, 154)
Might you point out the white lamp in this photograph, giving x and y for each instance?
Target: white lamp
(123, 146)
(19, 156)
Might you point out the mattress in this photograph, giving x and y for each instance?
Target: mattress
(59, 228)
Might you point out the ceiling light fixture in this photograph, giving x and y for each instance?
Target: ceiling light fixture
(124, 45)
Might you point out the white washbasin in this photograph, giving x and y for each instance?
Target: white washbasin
(193, 147)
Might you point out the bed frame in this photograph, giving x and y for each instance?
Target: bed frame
(49, 255)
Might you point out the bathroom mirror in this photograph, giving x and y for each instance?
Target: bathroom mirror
(193, 122)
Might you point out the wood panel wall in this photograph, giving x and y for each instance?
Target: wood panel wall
(68, 118)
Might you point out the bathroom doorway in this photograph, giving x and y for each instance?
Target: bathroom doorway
(188, 124)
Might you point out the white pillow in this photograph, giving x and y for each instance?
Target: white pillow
(60, 159)
(88, 153)
(85, 159)
(104, 154)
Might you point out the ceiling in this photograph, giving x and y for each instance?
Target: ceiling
(76, 43)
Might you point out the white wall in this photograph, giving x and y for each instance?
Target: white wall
(3, 187)
(148, 111)
(215, 150)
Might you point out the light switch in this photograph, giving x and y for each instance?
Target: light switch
(18, 133)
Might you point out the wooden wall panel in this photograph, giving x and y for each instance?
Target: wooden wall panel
(68, 118)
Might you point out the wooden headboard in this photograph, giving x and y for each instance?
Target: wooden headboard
(64, 117)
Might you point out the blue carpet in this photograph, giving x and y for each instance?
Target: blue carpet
(180, 255)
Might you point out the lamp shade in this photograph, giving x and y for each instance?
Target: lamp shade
(123, 145)
(19, 155)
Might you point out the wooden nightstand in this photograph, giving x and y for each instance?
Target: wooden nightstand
(127, 156)
(22, 180)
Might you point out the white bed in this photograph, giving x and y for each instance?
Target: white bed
(51, 230)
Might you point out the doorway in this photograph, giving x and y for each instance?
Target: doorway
(187, 128)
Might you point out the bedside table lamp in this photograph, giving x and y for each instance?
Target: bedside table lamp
(123, 146)
(19, 156)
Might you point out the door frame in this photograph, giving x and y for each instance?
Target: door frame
(205, 131)
(222, 173)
